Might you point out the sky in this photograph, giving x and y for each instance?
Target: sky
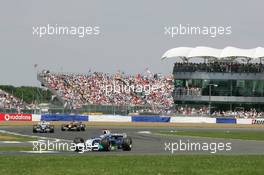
(131, 34)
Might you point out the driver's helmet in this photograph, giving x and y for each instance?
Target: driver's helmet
(106, 132)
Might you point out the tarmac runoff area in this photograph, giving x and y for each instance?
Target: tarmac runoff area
(145, 140)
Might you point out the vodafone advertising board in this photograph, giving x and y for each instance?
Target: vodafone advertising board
(15, 117)
(258, 121)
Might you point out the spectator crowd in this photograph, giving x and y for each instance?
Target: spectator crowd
(96, 88)
(204, 111)
(192, 91)
(251, 113)
(192, 111)
(8, 101)
(223, 67)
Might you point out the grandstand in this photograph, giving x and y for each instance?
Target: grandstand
(220, 82)
(228, 80)
(150, 92)
(205, 81)
(8, 101)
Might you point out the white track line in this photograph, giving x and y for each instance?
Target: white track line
(9, 142)
(144, 132)
(38, 137)
(40, 152)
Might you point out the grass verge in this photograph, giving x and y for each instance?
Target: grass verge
(15, 148)
(12, 137)
(154, 165)
(244, 135)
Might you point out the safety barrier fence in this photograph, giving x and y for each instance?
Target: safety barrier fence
(120, 118)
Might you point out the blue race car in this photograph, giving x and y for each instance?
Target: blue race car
(43, 127)
(106, 142)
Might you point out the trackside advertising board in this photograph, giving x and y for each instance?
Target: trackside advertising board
(259, 121)
(15, 117)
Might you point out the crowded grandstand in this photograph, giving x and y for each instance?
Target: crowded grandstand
(8, 101)
(204, 82)
(95, 88)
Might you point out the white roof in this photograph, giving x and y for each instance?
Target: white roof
(228, 52)
(177, 52)
(204, 52)
(236, 52)
(259, 52)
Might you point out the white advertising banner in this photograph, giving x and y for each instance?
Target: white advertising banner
(244, 121)
(192, 120)
(109, 118)
(36, 117)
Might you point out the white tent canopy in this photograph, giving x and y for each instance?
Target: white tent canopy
(228, 52)
(177, 52)
(204, 52)
(236, 52)
(259, 52)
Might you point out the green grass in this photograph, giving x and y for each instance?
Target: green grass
(244, 135)
(130, 165)
(12, 137)
(15, 148)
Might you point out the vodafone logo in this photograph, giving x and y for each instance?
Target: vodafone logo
(258, 121)
(16, 117)
(6, 117)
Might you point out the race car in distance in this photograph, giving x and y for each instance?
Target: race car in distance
(106, 142)
(43, 127)
(73, 126)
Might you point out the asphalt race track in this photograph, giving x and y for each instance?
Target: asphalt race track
(145, 140)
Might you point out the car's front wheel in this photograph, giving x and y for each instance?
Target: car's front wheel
(106, 145)
(62, 128)
(34, 129)
(76, 141)
(127, 144)
(51, 129)
(83, 128)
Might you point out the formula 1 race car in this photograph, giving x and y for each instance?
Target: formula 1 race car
(73, 126)
(106, 142)
(43, 127)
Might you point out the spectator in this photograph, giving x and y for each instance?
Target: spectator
(79, 89)
(8, 101)
(224, 67)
